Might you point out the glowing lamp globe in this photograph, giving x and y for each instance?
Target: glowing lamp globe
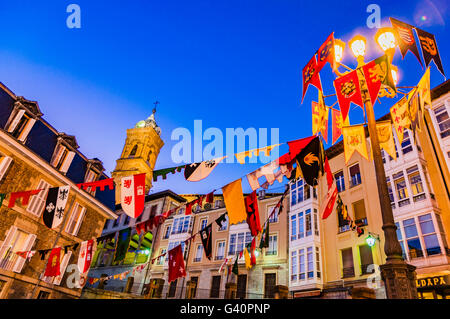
(370, 240)
(386, 40)
(339, 46)
(358, 46)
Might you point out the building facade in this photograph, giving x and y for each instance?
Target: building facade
(34, 155)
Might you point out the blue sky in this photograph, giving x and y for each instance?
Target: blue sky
(229, 63)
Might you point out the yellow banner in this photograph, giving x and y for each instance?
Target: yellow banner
(386, 139)
(354, 140)
(242, 155)
(234, 202)
(424, 90)
(400, 117)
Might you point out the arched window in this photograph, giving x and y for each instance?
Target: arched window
(133, 151)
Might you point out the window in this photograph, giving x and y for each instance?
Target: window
(199, 253)
(310, 256)
(107, 224)
(300, 191)
(203, 223)
(355, 175)
(270, 280)
(430, 238)
(117, 221)
(365, 253)
(160, 260)
(307, 194)
(316, 223)
(342, 222)
(293, 227)
(293, 195)
(167, 232)
(195, 280)
(274, 217)
(340, 182)
(406, 144)
(224, 224)
(301, 226)
(308, 221)
(273, 245)
(5, 163)
(43, 295)
(2, 285)
(441, 230)
(215, 287)
(294, 266)
(172, 288)
(62, 158)
(220, 251)
(153, 211)
(76, 216)
(400, 237)
(318, 262)
(412, 238)
(91, 177)
(391, 194)
(241, 286)
(402, 191)
(37, 202)
(21, 125)
(133, 151)
(416, 183)
(218, 203)
(15, 240)
(181, 225)
(347, 263)
(243, 239)
(383, 156)
(232, 248)
(359, 211)
(301, 263)
(443, 121)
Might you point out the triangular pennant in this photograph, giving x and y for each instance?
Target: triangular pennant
(348, 90)
(354, 140)
(429, 49)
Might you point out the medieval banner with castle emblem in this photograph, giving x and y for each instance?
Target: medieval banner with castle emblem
(347, 91)
(132, 194)
(54, 206)
(429, 49)
(378, 72)
(354, 140)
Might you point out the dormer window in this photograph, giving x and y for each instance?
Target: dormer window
(21, 125)
(62, 159)
(91, 176)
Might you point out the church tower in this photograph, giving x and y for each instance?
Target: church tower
(139, 153)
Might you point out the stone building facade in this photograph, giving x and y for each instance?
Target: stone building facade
(34, 155)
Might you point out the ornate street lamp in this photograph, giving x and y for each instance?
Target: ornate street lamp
(399, 277)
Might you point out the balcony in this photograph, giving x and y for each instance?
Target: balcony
(348, 272)
(419, 197)
(403, 202)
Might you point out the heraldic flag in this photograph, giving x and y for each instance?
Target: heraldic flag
(311, 160)
(53, 264)
(132, 194)
(197, 171)
(206, 236)
(176, 263)
(405, 38)
(354, 140)
(54, 206)
(85, 257)
(251, 206)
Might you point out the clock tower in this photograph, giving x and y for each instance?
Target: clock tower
(139, 153)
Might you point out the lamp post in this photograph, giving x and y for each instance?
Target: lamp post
(398, 276)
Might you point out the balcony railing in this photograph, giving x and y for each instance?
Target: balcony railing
(403, 202)
(197, 259)
(419, 197)
(348, 272)
(219, 257)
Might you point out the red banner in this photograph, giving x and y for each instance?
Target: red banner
(347, 91)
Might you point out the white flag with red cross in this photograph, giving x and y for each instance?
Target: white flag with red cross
(132, 195)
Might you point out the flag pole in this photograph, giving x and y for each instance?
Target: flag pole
(54, 244)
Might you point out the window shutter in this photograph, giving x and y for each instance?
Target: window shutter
(37, 202)
(63, 266)
(26, 130)
(5, 244)
(27, 246)
(67, 162)
(16, 120)
(80, 219)
(57, 155)
(4, 165)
